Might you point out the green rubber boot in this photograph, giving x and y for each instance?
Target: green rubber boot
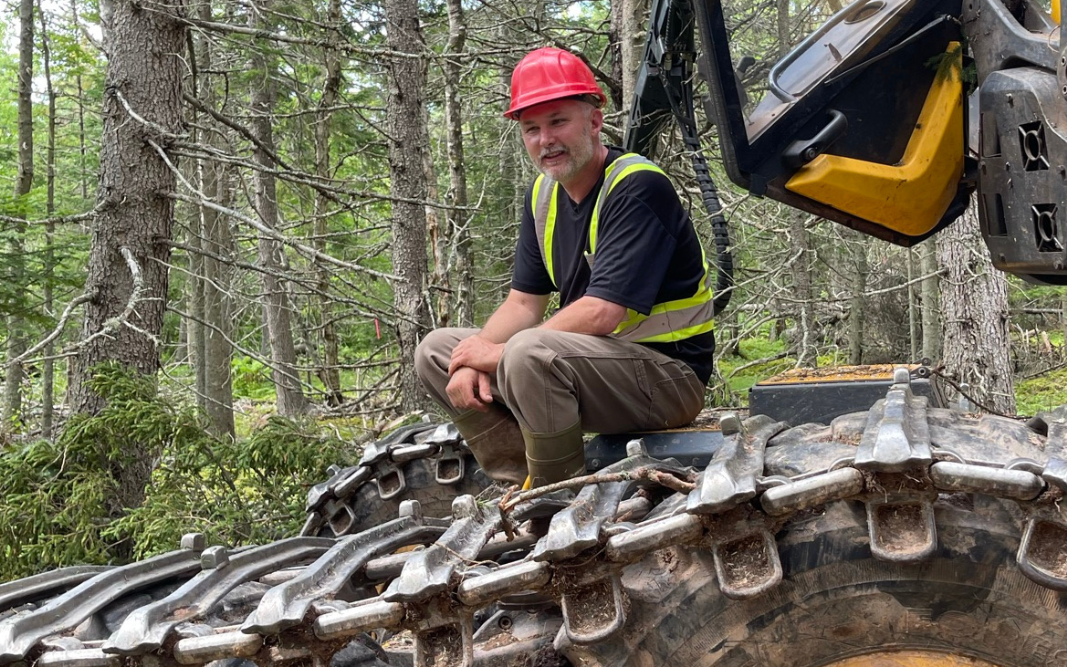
(496, 442)
(554, 457)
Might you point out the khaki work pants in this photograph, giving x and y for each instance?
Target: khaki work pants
(552, 383)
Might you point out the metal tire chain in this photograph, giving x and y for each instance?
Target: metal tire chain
(733, 510)
(327, 503)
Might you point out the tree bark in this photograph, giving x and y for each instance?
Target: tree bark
(407, 77)
(130, 249)
(975, 316)
(931, 302)
(440, 239)
(16, 324)
(330, 372)
(806, 336)
(458, 216)
(217, 327)
(48, 366)
(913, 306)
(632, 39)
(857, 313)
(279, 330)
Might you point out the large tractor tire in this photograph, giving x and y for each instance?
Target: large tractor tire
(435, 477)
(420, 476)
(838, 606)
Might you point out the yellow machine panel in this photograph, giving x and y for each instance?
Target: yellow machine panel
(909, 197)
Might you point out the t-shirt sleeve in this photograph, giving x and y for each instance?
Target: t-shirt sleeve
(634, 243)
(530, 274)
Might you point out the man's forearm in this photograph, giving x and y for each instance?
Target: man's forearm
(513, 316)
(482, 351)
(588, 315)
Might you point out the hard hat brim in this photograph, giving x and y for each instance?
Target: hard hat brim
(550, 96)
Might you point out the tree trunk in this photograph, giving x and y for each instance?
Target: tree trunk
(190, 332)
(931, 302)
(195, 284)
(616, 35)
(130, 249)
(458, 216)
(217, 327)
(913, 307)
(632, 40)
(782, 26)
(279, 330)
(218, 352)
(407, 76)
(330, 372)
(975, 316)
(857, 312)
(48, 367)
(83, 174)
(440, 240)
(799, 240)
(806, 335)
(16, 324)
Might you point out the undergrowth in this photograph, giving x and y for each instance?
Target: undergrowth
(1043, 392)
(59, 496)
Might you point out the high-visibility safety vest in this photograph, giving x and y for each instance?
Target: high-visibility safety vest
(667, 322)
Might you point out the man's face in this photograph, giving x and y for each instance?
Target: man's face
(561, 137)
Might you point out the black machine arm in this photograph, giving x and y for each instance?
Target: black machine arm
(664, 91)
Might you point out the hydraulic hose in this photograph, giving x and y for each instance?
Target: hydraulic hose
(677, 83)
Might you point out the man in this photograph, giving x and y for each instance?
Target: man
(631, 346)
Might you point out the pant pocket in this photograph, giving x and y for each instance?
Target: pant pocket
(676, 401)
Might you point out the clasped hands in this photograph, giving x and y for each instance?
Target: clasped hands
(471, 368)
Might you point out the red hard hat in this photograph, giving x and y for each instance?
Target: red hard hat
(550, 74)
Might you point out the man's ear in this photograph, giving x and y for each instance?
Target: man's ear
(597, 118)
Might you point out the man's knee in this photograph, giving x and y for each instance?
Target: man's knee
(529, 365)
(434, 352)
(527, 350)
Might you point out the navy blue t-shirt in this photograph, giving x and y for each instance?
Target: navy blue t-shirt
(647, 252)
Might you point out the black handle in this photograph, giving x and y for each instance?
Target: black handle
(802, 151)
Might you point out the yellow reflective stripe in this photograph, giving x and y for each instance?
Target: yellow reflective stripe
(629, 163)
(536, 192)
(659, 329)
(660, 316)
(680, 334)
(544, 219)
(550, 229)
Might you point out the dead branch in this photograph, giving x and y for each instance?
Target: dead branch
(681, 484)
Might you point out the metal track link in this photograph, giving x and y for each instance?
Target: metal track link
(733, 511)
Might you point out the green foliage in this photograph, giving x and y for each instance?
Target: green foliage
(57, 507)
(235, 492)
(58, 496)
(738, 377)
(251, 378)
(1043, 392)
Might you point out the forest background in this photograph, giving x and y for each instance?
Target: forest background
(225, 225)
